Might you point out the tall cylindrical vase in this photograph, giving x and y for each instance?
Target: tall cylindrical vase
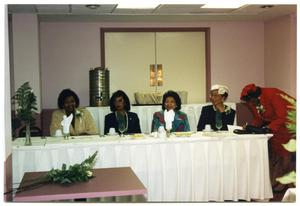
(28, 135)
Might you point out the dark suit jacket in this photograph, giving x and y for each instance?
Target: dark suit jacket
(133, 123)
(208, 116)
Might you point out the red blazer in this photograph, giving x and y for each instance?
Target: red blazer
(274, 116)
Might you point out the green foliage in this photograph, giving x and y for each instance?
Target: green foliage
(291, 116)
(291, 145)
(76, 173)
(292, 125)
(26, 103)
(287, 178)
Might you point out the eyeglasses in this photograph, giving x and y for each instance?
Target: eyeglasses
(214, 95)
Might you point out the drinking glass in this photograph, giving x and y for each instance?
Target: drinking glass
(122, 123)
(219, 125)
(66, 133)
(122, 128)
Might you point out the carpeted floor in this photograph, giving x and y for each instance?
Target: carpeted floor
(277, 196)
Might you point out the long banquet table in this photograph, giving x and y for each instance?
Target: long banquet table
(201, 167)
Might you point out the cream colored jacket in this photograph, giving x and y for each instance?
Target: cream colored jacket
(84, 122)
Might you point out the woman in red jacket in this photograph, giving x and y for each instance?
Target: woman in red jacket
(270, 110)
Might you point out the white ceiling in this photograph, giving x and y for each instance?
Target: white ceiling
(163, 12)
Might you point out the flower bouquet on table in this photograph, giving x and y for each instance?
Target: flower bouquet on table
(75, 173)
(25, 101)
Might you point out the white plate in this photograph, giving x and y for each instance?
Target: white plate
(112, 134)
(184, 134)
(206, 130)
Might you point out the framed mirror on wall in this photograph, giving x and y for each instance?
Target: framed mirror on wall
(182, 55)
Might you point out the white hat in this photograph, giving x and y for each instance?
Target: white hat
(222, 89)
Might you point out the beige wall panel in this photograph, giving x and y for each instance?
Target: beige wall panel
(128, 57)
(182, 55)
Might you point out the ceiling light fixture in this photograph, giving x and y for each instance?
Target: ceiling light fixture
(146, 5)
(92, 6)
(220, 5)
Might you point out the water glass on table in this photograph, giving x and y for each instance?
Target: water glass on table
(122, 128)
(66, 133)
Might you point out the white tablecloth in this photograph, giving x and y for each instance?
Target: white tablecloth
(213, 166)
(145, 114)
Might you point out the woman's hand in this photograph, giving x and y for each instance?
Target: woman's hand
(220, 106)
(244, 126)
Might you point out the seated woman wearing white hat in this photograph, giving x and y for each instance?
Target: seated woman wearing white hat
(218, 115)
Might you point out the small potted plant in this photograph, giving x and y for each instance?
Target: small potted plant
(25, 101)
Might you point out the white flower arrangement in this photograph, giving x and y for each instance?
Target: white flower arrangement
(222, 90)
(260, 108)
(227, 110)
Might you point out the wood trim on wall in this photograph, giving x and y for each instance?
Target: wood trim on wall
(206, 30)
(8, 179)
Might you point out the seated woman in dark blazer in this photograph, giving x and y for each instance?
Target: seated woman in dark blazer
(120, 106)
(217, 111)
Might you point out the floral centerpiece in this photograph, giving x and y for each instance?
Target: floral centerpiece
(26, 103)
(75, 173)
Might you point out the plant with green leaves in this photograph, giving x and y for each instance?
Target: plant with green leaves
(291, 144)
(26, 103)
(76, 173)
(291, 125)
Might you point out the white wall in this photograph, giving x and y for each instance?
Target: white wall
(26, 52)
(237, 56)
(280, 54)
(69, 49)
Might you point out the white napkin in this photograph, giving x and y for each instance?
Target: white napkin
(66, 122)
(169, 118)
(233, 127)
